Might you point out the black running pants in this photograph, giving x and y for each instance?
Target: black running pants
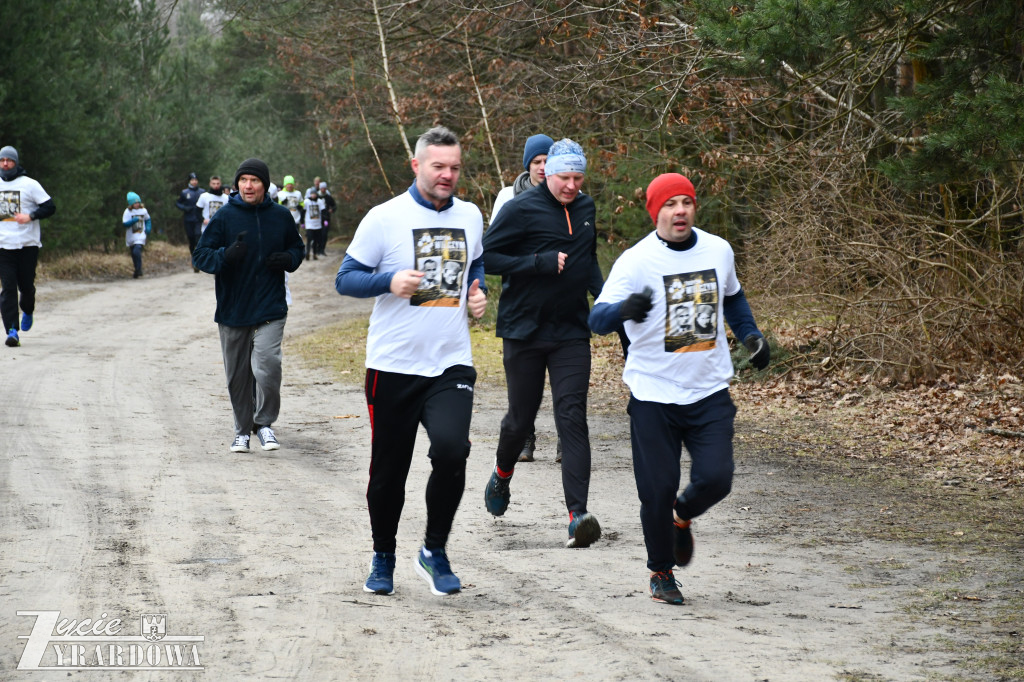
(567, 364)
(17, 274)
(658, 432)
(398, 404)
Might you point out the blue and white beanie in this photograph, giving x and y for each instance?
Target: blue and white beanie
(565, 156)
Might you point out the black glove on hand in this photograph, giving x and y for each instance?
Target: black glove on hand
(637, 306)
(236, 252)
(759, 352)
(280, 260)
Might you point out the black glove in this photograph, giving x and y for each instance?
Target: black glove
(280, 260)
(759, 352)
(236, 252)
(637, 306)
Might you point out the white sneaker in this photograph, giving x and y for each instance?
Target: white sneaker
(267, 438)
(240, 444)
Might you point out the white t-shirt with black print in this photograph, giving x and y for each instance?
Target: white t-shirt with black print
(136, 234)
(210, 204)
(20, 195)
(679, 354)
(427, 334)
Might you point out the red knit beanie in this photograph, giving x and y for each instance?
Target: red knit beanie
(663, 188)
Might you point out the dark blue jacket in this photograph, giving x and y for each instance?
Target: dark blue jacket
(186, 203)
(249, 293)
(522, 244)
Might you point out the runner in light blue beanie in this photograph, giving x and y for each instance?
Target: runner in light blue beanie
(565, 156)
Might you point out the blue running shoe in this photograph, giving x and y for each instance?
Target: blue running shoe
(433, 566)
(26, 322)
(12, 338)
(665, 588)
(497, 493)
(382, 574)
(584, 530)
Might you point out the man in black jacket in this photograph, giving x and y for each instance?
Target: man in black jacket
(544, 245)
(330, 206)
(192, 216)
(249, 245)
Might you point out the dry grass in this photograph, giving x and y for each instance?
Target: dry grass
(341, 349)
(158, 256)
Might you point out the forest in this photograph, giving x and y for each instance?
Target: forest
(864, 157)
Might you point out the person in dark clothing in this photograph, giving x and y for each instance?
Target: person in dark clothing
(192, 216)
(544, 245)
(249, 244)
(23, 203)
(330, 206)
(535, 155)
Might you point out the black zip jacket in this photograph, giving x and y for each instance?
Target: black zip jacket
(249, 293)
(522, 244)
(186, 203)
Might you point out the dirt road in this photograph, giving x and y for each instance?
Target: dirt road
(120, 499)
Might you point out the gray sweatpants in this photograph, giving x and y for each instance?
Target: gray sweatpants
(252, 364)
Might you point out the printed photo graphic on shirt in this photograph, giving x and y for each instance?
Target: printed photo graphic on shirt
(451, 277)
(215, 206)
(691, 311)
(10, 204)
(313, 211)
(441, 256)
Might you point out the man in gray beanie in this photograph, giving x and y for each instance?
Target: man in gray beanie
(544, 245)
(249, 244)
(23, 203)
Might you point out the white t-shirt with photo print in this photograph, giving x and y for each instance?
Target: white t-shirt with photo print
(210, 203)
(20, 195)
(427, 334)
(671, 358)
(314, 214)
(136, 234)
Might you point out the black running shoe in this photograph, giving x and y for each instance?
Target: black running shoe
(497, 493)
(531, 444)
(665, 588)
(584, 530)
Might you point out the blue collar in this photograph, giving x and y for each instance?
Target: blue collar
(418, 198)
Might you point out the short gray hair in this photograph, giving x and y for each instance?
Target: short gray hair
(437, 136)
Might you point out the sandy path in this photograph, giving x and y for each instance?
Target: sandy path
(119, 496)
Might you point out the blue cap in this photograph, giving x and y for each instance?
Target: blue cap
(133, 198)
(535, 145)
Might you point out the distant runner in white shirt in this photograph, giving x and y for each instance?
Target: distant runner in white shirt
(23, 203)
(211, 201)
